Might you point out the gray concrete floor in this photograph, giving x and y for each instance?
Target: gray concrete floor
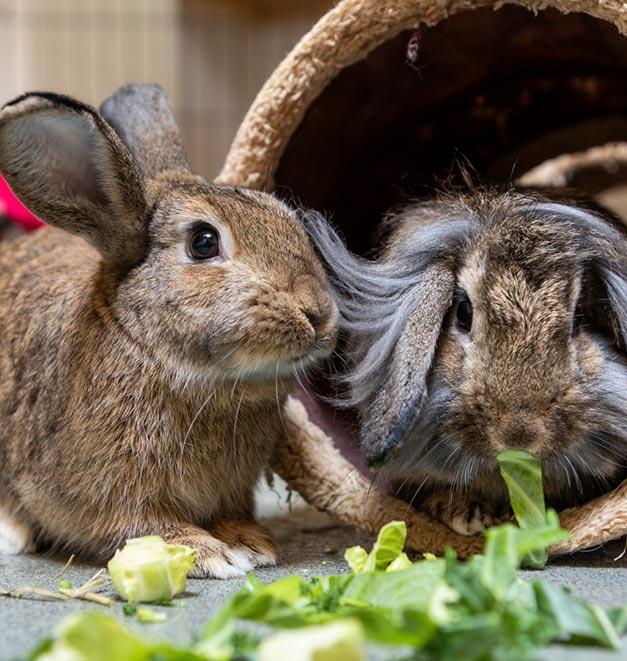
(305, 540)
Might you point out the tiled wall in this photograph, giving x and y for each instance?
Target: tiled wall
(212, 56)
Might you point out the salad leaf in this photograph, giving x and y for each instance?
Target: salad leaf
(93, 636)
(336, 641)
(148, 616)
(507, 547)
(149, 570)
(522, 474)
(356, 557)
(399, 563)
(387, 549)
(577, 621)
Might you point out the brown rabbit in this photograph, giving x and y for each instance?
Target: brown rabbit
(493, 320)
(149, 338)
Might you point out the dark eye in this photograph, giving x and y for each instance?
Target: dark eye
(204, 243)
(464, 314)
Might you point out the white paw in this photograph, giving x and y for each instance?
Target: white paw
(15, 537)
(471, 521)
(228, 563)
(262, 559)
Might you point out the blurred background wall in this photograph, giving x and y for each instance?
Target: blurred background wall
(212, 56)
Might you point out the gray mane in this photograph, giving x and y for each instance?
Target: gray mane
(375, 298)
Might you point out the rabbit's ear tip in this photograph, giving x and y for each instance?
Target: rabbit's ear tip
(36, 101)
(143, 118)
(375, 459)
(378, 450)
(137, 89)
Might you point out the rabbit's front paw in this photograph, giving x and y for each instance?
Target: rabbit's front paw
(461, 513)
(15, 536)
(251, 539)
(215, 559)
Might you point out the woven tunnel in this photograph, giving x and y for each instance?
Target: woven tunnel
(376, 104)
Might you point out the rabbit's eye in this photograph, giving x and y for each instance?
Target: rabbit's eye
(204, 243)
(464, 314)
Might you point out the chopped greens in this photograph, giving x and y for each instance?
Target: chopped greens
(522, 474)
(148, 616)
(149, 570)
(440, 607)
(336, 641)
(93, 636)
(434, 608)
(387, 549)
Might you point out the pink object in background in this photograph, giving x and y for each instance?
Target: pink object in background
(14, 210)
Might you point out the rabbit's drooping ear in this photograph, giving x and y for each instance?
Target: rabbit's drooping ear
(143, 119)
(395, 407)
(392, 312)
(70, 168)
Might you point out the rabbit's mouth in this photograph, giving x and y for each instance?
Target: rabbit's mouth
(571, 475)
(273, 365)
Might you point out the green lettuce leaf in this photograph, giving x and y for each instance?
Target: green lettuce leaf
(149, 570)
(522, 474)
(341, 640)
(388, 548)
(578, 622)
(508, 546)
(93, 636)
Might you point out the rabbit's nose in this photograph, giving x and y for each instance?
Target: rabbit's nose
(314, 317)
(319, 310)
(522, 432)
(517, 438)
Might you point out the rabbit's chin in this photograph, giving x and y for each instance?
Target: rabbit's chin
(269, 366)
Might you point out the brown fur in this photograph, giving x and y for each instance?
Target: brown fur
(541, 365)
(527, 374)
(141, 393)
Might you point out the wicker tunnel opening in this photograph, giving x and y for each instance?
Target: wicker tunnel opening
(373, 108)
(500, 90)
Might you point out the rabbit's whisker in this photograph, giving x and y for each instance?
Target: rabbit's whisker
(203, 405)
(234, 438)
(278, 403)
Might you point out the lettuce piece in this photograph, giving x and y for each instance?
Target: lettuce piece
(148, 616)
(399, 563)
(507, 547)
(522, 474)
(420, 587)
(93, 636)
(341, 640)
(149, 570)
(356, 557)
(388, 548)
(577, 621)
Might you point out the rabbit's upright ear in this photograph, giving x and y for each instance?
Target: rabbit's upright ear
(396, 405)
(70, 168)
(143, 119)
